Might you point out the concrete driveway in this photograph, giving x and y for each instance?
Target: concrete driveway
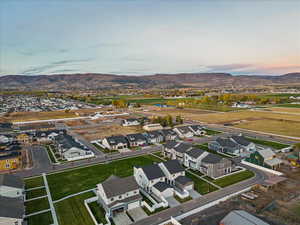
(137, 214)
(172, 202)
(194, 194)
(122, 219)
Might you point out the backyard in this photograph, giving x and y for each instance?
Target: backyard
(40, 219)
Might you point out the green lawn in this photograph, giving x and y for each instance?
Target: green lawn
(34, 182)
(73, 181)
(98, 212)
(200, 185)
(212, 132)
(50, 153)
(289, 105)
(40, 219)
(235, 178)
(182, 200)
(205, 148)
(271, 144)
(36, 205)
(103, 149)
(36, 193)
(72, 211)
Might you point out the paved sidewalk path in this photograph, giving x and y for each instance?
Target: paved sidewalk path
(54, 216)
(36, 213)
(31, 199)
(70, 196)
(35, 188)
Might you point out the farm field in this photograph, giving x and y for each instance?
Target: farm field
(285, 109)
(106, 130)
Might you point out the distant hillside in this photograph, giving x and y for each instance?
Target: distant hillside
(92, 81)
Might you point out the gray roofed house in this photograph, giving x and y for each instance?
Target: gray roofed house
(197, 130)
(169, 134)
(215, 166)
(241, 217)
(244, 144)
(12, 208)
(154, 137)
(153, 171)
(184, 132)
(114, 186)
(116, 142)
(162, 186)
(212, 158)
(195, 152)
(182, 147)
(241, 140)
(173, 166)
(170, 144)
(137, 139)
(225, 145)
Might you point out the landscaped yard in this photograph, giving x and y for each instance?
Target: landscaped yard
(40, 219)
(232, 179)
(212, 132)
(34, 182)
(182, 200)
(200, 185)
(103, 149)
(35, 193)
(73, 181)
(36, 205)
(271, 144)
(73, 211)
(50, 153)
(98, 212)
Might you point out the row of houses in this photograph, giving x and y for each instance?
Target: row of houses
(151, 137)
(10, 153)
(162, 180)
(198, 159)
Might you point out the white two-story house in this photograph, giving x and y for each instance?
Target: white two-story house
(184, 132)
(118, 195)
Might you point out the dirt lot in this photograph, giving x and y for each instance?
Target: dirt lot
(106, 130)
(285, 109)
(73, 123)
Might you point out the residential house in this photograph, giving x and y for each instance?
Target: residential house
(193, 158)
(197, 130)
(241, 217)
(24, 138)
(5, 139)
(225, 145)
(10, 161)
(173, 170)
(152, 127)
(168, 149)
(184, 132)
(118, 195)
(12, 211)
(136, 140)
(154, 137)
(70, 149)
(179, 151)
(115, 142)
(266, 158)
(169, 134)
(11, 186)
(130, 122)
(243, 143)
(148, 176)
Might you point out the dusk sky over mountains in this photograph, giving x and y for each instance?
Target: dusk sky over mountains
(139, 37)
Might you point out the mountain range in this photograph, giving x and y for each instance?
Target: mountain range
(95, 81)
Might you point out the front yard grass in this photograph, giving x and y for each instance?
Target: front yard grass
(205, 148)
(271, 144)
(50, 153)
(98, 212)
(43, 218)
(212, 132)
(34, 182)
(156, 211)
(233, 179)
(104, 150)
(73, 211)
(200, 185)
(73, 181)
(35, 193)
(182, 200)
(36, 205)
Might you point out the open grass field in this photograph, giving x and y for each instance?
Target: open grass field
(285, 109)
(233, 179)
(73, 123)
(73, 212)
(200, 185)
(34, 182)
(40, 219)
(106, 130)
(36, 193)
(271, 144)
(287, 128)
(36, 205)
(73, 181)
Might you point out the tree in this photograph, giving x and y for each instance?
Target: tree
(169, 119)
(179, 119)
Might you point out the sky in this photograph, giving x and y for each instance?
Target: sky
(140, 37)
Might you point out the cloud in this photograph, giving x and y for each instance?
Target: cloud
(54, 66)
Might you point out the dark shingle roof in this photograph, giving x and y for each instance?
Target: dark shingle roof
(153, 171)
(184, 129)
(161, 186)
(113, 140)
(154, 134)
(168, 132)
(114, 186)
(182, 147)
(11, 181)
(241, 140)
(196, 127)
(11, 207)
(170, 144)
(195, 152)
(212, 158)
(226, 142)
(173, 166)
(183, 180)
(136, 137)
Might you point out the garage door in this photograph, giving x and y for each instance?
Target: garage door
(190, 187)
(133, 205)
(167, 193)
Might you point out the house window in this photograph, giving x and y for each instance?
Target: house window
(7, 165)
(112, 199)
(120, 196)
(135, 192)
